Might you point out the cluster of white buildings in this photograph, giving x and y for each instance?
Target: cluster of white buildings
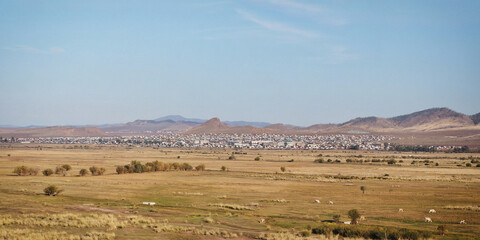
(241, 141)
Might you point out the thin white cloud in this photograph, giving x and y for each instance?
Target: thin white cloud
(315, 12)
(24, 48)
(277, 26)
(297, 5)
(339, 54)
(57, 49)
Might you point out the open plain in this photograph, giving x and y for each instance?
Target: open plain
(252, 198)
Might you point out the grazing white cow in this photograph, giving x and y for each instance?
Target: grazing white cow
(347, 222)
(432, 211)
(363, 218)
(330, 202)
(262, 220)
(463, 222)
(427, 219)
(317, 201)
(149, 203)
(400, 210)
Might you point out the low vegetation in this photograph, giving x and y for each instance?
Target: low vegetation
(25, 171)
(96, 171)
(138, 167)
(52, 190)
(370, 232)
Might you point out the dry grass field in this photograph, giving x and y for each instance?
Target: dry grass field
(216, 204)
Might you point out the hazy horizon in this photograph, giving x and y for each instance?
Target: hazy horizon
(277, 61)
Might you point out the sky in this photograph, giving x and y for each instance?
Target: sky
(279, 61)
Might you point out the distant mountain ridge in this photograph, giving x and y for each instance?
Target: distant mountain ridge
(434, 119)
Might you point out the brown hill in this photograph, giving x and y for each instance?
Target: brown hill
(214, 125)
(433, 119)
(475, 118)
(53, 132)
(282, 127)
(369, 123)
(143, 126)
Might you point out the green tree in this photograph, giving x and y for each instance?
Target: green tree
(363, 188)
(354, 215)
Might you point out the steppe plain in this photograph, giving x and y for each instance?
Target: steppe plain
(250, 199)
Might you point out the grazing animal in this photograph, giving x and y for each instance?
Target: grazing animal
(432, 211)
(427, 219)
(348, 222)
(262, 220)
(463, 222)
(149, 203)
(317, 201)
(330, 202)
(400, 210)
(363, 218)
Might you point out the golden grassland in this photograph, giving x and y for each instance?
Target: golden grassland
(215, 204)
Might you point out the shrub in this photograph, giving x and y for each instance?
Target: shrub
(121, 170)
(257, 159)
(282, 169)
(336, 218)
(97, 171)
(60, 170)
(363, 188)
(391, 162)
(186, 167)
(200, 167)
(223, 168)
(468, 164)
(83, 172)
(47, 172)
(354, 215)
(306, 233)
(52, 190)
(441, 229)
(319, 160)
(67, 167)
(231, 157)
(22, 171)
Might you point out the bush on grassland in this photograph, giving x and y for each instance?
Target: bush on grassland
(370, 232)
(96, 171)
(47, 172)
(24, 171)
(52, 190)
(138, 167)
(200, 167)
(83, 172)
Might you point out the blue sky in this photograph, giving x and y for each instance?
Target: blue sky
(296, 62)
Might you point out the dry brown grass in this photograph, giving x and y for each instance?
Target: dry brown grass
(186, 199)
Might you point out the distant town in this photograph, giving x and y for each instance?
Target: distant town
(238, 141)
